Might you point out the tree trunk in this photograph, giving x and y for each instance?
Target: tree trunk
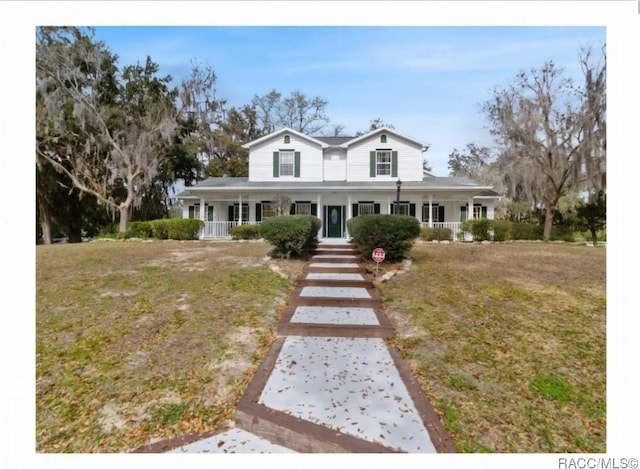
(45, 220)
(548, 223)
(594, 237)
(124, 218)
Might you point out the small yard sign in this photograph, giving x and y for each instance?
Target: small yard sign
(378, 256)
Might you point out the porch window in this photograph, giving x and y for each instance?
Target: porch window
(194, 211)
(479, 211)
(437, 213)
(403, 208)
(245, 213)
(286, 163)
(303, 208)
(383, 162)
(268, 210)
(366, 208)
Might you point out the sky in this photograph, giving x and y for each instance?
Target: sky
(429, 82)
(423, 66)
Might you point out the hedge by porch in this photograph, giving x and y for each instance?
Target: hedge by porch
(292, 235)
(394, 233)
(166, 228)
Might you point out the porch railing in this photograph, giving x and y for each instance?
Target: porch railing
(454, 226)
(217, 229)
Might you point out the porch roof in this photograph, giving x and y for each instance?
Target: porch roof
(226, 188)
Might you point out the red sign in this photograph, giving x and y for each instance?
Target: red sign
(378, 255)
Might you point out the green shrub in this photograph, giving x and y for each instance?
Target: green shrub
(479, 228)
(174, 228)
(394, 233)
(184, 228)
(139, 229)
(435, 234)
(248, 231)
(292, 235)
(501, 229)
(160, 229)
(520, 230)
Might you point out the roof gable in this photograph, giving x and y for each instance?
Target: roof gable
(381, 130)
(285, 130)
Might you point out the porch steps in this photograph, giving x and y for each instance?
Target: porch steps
(329, 383)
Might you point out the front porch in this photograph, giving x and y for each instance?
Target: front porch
(221, 229)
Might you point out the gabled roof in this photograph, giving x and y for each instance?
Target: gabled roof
(285, 130)
(334, 141)
(380, 130)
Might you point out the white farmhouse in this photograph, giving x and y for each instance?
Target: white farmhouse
(336, 178)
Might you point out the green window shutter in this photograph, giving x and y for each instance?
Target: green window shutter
(484, 212)
(276, 164)
(296, 165)
(394, 164)
(440, 214)
(258, 212)
(376, 209)
(292, 209)
(192, 211)
(210, 213)
(231, 213)
(314, 210)
(372, 164)
(412, 210)
(463, 213)
(354, 210)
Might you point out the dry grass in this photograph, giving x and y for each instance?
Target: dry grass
(508, 341)
(138, 341)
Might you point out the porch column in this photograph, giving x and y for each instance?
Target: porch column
(430, 211)
(202, 217)
(320, 212)
(470, 210)
(349, 214)
(240, 209)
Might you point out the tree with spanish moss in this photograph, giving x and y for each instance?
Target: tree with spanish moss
(551, 134)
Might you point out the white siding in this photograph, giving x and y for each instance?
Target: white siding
(409, 159)
(261, 159)
(335, 166)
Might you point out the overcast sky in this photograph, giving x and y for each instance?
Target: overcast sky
(429, 82)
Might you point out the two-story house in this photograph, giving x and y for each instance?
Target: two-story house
(336, 178)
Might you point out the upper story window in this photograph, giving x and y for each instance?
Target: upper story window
(287, 163)
(383, 162)
(287, 139)
(383, 138)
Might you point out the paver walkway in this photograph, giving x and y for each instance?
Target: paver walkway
(329, 383)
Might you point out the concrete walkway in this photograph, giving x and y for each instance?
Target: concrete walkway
(329, 383)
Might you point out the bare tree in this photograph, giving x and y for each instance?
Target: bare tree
(296, 111)
(470, 163)
(551, 135)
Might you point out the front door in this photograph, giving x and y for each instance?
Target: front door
(334, 221)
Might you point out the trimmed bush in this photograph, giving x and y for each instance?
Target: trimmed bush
(292, 235)
(139, 229)
(394, 233)
(248, 231)
(184, 228)
(436, 234)
(166, 228)
(524, 231)
(501, 229)
(480, 229)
